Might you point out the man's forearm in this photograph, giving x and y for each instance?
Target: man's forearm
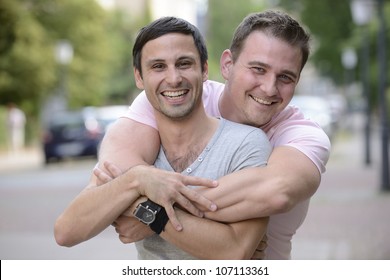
(213, 240)
(94, 209)
(289, 177)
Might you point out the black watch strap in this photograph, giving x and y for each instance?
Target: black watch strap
(151, 205)
(160, 222)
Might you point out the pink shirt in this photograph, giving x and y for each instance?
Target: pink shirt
(288, 128)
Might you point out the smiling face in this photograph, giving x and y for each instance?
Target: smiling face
(172, 75)
(261, 82)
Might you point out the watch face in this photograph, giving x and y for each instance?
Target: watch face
(145, 215)
(148, 216)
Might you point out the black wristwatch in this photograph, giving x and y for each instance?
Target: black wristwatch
(152, 214)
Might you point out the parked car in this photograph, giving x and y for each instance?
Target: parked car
(106, 115)
(317, 109)
(72, 134)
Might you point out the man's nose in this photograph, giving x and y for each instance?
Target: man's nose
(173, 76)
(269, 85)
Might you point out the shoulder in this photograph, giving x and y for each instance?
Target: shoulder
(212, 91)
(291, 128)
(291, 124)
(244, 132)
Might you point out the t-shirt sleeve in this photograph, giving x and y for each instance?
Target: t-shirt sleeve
(141, 111)
(307, 137)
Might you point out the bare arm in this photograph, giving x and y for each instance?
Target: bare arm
(265, 191)
(125, 144)
(95, 208)
(226, 240)
(213, 240)
(207, 239)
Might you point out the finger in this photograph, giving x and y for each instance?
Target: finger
(102, 176)
(199, 199)
(198, 181)
(262, 246)
(172, 218)
(113, 169)
(125, 240)
(186, 204)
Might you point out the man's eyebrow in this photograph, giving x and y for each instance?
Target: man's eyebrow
(267, 66)
(190, 57)
(154, 60)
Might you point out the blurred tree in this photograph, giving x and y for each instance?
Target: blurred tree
(101, 65)
(26, 58)
(223, 18)
(330, 26)
(123, 29)
(83, 24)
(333, 29)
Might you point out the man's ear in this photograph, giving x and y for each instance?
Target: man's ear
(226, 62)
(139, 82)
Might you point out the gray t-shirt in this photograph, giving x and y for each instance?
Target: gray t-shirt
(233, 147)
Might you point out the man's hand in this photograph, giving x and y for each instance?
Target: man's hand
(130, 229)
(166, 188)
(259, 254)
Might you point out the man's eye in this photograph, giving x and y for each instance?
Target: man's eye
(158, 66)
(259, 70)
(286, 79)
(184, 64)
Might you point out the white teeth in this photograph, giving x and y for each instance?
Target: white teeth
(173, 94)
(262, 101)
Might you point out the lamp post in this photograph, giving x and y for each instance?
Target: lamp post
(63, 55)
(349, 61)
(385, 183)
(361, 14)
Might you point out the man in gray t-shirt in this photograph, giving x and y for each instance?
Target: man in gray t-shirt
(232, 147)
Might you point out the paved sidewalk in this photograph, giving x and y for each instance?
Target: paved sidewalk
(26, 158)
(349, 216)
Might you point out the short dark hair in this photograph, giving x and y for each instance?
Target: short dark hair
(274, 23)
(162, 27)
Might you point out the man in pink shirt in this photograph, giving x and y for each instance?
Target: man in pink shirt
(261, 68)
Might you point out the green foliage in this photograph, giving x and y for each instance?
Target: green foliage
(333, 29)
(223, 18)
(83, 24)
(99, 72)
(330, 26)
(122, 31)
(26, 60)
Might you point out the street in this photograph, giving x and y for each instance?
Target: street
(31, 198)
(347, 219)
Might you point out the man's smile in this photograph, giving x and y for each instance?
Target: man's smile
(261, 101)
(174, 94)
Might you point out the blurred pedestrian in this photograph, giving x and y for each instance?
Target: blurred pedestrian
(16, 122)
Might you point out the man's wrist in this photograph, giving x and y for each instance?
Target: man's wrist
(137, 172)
(152, 214)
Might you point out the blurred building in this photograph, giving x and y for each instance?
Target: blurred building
(135, 7)
(192, 10)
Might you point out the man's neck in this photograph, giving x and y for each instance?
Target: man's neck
(184, 140)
